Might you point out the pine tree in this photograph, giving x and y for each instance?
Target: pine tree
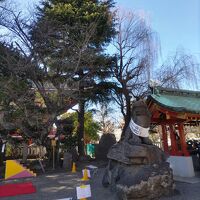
(72, 35)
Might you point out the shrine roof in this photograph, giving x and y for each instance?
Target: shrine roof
(176, 100)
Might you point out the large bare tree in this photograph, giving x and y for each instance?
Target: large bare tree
(180, 70)
(137, 48)
(135, 54)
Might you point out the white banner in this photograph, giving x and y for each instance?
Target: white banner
(138, 130)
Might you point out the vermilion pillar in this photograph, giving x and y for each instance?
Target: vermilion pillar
(182, 140)
(174, 149)
(164, 139)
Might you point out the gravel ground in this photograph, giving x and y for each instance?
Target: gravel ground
(61, 185)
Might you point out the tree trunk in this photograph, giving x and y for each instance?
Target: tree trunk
(127, 117)
(57, 147)
(58, 158)
(80, 130)
(1, 154)
(49, 152)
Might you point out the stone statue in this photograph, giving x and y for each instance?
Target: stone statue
(141, 117)
(137, 169)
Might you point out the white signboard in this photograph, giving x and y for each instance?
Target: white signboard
(84, 191)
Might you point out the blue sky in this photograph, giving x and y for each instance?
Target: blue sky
(177, 22)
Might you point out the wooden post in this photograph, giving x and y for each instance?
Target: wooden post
(53, 144)
(165, 139)
(53, 157)
(182, 140)
(174, 149)
(41, 165)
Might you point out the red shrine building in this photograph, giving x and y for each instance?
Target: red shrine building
(172, 109)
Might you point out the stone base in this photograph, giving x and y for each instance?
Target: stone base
(142, 182)
(153, 188)
(182, 166)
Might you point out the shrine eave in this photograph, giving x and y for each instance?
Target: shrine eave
(181, 101)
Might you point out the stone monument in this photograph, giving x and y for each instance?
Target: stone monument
(67, 161)
(137, 169)
(105, 143)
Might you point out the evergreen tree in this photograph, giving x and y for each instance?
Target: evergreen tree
(74, 47)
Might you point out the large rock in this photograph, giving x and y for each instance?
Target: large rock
(74, 154)
(149, 182)
(67, 161)
(105, 143)
(137, 170)
(136, 154)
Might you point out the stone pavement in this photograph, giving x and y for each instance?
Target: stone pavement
(63, 185)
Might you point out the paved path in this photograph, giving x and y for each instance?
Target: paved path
(62, 185)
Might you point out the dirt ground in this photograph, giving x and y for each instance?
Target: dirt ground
(60, 185)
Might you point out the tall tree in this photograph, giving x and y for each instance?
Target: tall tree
(103, 114)
(134, 58)
(136, 48)
(62, 51)
(180, 70)
(75, 17)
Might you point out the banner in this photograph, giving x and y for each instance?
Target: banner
(138, 130)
